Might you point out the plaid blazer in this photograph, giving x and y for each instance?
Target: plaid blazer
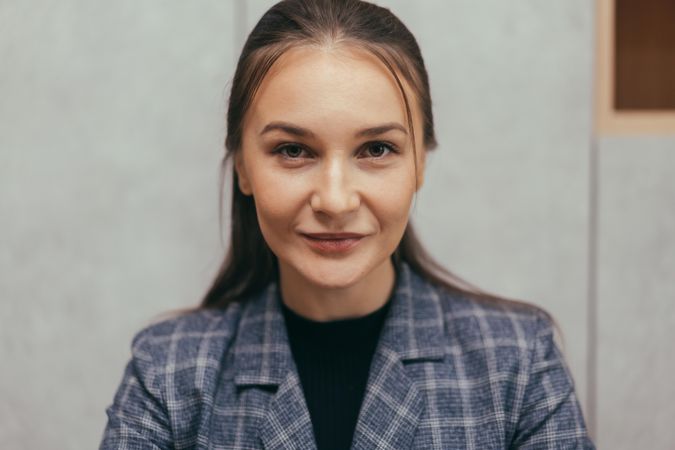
(449, 372)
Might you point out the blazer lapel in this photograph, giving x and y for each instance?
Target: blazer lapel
(263, 360)
(391, 409)
(287, 424)
(413, 332)
(394, 403)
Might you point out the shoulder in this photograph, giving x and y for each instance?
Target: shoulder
(172, 372)
(187, 337)
(478, 322)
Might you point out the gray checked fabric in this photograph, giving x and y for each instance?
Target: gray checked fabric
(449, 372)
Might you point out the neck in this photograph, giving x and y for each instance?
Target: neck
(322, 304)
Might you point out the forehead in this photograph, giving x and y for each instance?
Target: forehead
(343, 86)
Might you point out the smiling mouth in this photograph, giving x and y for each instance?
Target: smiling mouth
(333, 242)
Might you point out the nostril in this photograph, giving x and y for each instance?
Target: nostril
(334, 203)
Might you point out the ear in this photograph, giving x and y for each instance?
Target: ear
(421, 165)
(242, 175)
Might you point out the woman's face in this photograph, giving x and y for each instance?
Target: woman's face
(326, 154)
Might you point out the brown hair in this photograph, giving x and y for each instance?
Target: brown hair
(249, 264)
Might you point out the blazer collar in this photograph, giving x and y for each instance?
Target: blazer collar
(393, 403)
(413, 329)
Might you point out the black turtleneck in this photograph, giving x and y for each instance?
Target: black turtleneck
(333, 360)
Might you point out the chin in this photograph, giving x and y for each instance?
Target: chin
(334, 274)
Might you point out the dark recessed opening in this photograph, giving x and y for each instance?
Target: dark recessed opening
(645, 55)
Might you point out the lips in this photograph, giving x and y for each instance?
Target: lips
(333, 242)
(333, 235)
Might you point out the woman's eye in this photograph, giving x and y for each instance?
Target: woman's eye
(290, 151)
(378, 149)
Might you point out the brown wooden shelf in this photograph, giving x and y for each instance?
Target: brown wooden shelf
(635, 70)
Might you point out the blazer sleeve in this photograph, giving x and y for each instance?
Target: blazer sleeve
(550, 415)
(138, 418)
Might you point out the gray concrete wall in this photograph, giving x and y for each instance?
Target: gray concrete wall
(636, 293)
(111, 123)
(111, 129)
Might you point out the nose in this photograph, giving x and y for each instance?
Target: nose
(335, 192)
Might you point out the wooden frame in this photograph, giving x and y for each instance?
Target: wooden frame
(609, 121)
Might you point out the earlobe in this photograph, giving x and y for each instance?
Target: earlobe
(242, 176)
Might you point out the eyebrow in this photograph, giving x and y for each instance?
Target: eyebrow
(303, 132)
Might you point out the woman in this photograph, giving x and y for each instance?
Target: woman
(328, 326)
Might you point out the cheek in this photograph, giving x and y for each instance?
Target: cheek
(274, 221)
(391, 201)
(278, 200)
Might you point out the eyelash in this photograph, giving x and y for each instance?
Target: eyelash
(393, 149)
